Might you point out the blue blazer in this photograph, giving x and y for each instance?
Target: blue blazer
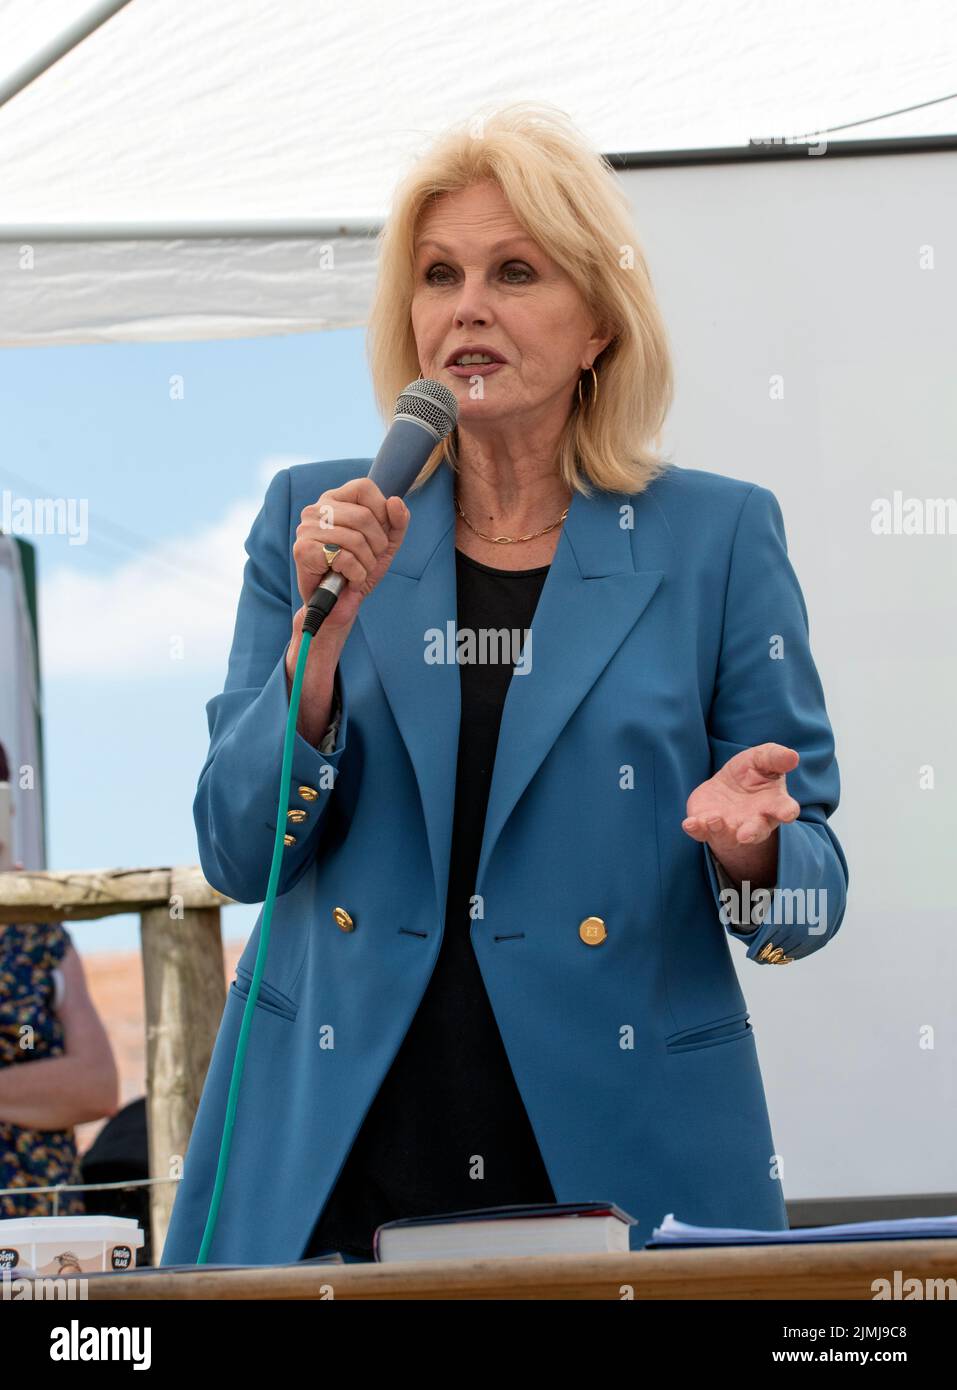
(671, 633)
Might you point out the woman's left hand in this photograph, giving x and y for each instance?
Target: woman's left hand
(745, 802)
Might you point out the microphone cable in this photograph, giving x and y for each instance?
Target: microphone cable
(232, 1100)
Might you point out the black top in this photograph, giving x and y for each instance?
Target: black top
(450, 1094)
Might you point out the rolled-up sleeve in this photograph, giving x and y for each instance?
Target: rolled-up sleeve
(767, 690)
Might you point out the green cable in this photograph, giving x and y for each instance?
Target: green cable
(232, 1100)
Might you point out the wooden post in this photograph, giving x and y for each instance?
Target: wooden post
(184, 981)
(185, 991)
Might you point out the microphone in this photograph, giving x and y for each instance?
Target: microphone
(425, 413)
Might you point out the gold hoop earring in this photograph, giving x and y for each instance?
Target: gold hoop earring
(594, 378)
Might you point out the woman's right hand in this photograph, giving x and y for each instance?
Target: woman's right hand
(368, 528)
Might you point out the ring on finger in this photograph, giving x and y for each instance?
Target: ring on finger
(330, 552)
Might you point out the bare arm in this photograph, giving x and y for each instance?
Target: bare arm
(756, 863)
(318, 682)
(59, 1092)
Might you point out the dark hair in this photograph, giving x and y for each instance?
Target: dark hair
(4, 765)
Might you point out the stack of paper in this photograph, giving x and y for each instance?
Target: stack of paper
(672, 1232)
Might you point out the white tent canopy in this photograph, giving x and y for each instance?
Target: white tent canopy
(182, 171)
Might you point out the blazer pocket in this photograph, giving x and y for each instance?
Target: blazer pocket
(269, 998)
(720, 1030)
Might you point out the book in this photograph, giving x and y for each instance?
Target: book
(672, 1232)
(549, 1228)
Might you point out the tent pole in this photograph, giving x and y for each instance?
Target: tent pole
(72, 35)
(268, 229)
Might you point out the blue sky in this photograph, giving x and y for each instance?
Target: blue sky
(172, 486)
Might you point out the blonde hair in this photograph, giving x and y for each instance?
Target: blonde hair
(567, 197)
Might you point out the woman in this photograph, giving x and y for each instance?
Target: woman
(499, 969)
(47, 1019)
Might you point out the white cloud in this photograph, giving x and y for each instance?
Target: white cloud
(179, 594)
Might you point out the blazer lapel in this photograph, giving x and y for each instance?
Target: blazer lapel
(415, 595)
(591, 599)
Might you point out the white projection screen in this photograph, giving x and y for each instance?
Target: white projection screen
(812, 307)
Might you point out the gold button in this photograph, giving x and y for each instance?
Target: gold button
(308, 793)
(774, 955)
(592, 931)
(296, 815)
(342, 919)
(289, 839)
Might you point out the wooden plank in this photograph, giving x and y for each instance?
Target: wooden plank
(76, 895)
(843, 1271)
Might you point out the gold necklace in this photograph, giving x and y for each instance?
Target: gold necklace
(509, 540)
